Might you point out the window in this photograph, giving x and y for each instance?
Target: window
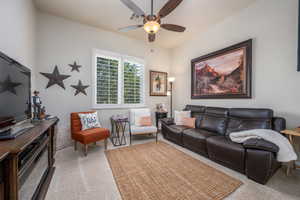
(119, 80)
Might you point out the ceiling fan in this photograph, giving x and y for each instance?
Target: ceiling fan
(152, 22)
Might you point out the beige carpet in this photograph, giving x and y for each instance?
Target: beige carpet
(161, 172)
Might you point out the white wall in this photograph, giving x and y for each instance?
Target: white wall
(61, 42)
(273, 26)
(17, 32)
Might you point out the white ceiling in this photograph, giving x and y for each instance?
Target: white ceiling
(195, 15)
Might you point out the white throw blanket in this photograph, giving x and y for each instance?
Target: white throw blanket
(286, 151)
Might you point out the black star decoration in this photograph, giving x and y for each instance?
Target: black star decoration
(9, 86)
(55, 78)
(80, 88)
(75, 67)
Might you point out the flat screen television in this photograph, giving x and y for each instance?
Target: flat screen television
(15, 92)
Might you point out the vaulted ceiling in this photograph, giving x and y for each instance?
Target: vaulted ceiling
(195, 15)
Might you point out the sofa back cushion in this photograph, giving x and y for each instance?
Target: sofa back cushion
(238, 124)
(241, 119)
(214, 123)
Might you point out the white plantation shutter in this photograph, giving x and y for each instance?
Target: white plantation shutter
(107, 80)
(133, 80)
(119, 80)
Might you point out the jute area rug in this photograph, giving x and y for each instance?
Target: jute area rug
(161, 172)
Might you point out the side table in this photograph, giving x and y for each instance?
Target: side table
(291, 134)
(160, 115)
(118, 127)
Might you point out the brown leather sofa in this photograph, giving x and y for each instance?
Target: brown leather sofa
(255, 158)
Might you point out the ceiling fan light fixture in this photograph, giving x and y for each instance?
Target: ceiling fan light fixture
(151, 27)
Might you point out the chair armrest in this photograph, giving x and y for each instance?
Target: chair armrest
(167, 121)
(261, 144)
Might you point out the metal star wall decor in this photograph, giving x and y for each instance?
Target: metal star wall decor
(75, 67)
(9, 86)
(80, 88)
(55, 78)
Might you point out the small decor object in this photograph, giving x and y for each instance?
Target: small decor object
(161, 107)
(89, 120)
(75, 67)
(80, 88)
(223, 74)
(9, 85)
(39, 112)
(55, 78)
(158, 83)
(180, 115)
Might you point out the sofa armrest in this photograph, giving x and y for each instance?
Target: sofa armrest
(278, 124)
(260, 165)
(167, 121)
(261, 144)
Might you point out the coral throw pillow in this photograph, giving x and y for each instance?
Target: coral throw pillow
(189, 122)
(145, 121)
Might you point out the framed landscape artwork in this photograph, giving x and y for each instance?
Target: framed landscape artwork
(158, 83)
(223, 74)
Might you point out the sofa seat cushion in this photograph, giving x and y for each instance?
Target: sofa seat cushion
(174, 133)
(136, 130)
(177, 128)
(223, 150)
(195, 140)
(91, 135)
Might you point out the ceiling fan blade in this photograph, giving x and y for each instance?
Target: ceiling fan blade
(151, 37)
(129, 28)
(173, 27)
(169, 7)
(135, 9)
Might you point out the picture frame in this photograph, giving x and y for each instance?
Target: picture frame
(224, 74)
(158, 83)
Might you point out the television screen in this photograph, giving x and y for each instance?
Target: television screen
(15, 94)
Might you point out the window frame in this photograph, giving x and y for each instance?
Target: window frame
(121, 58)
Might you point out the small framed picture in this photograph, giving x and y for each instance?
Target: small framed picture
(158, 83)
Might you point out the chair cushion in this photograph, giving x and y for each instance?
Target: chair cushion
(223, 150)
(195, 140)
(91, 135)
(143, 129)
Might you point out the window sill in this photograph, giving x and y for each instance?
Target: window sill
(122, 106)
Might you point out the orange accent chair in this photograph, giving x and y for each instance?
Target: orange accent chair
(87, 136)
